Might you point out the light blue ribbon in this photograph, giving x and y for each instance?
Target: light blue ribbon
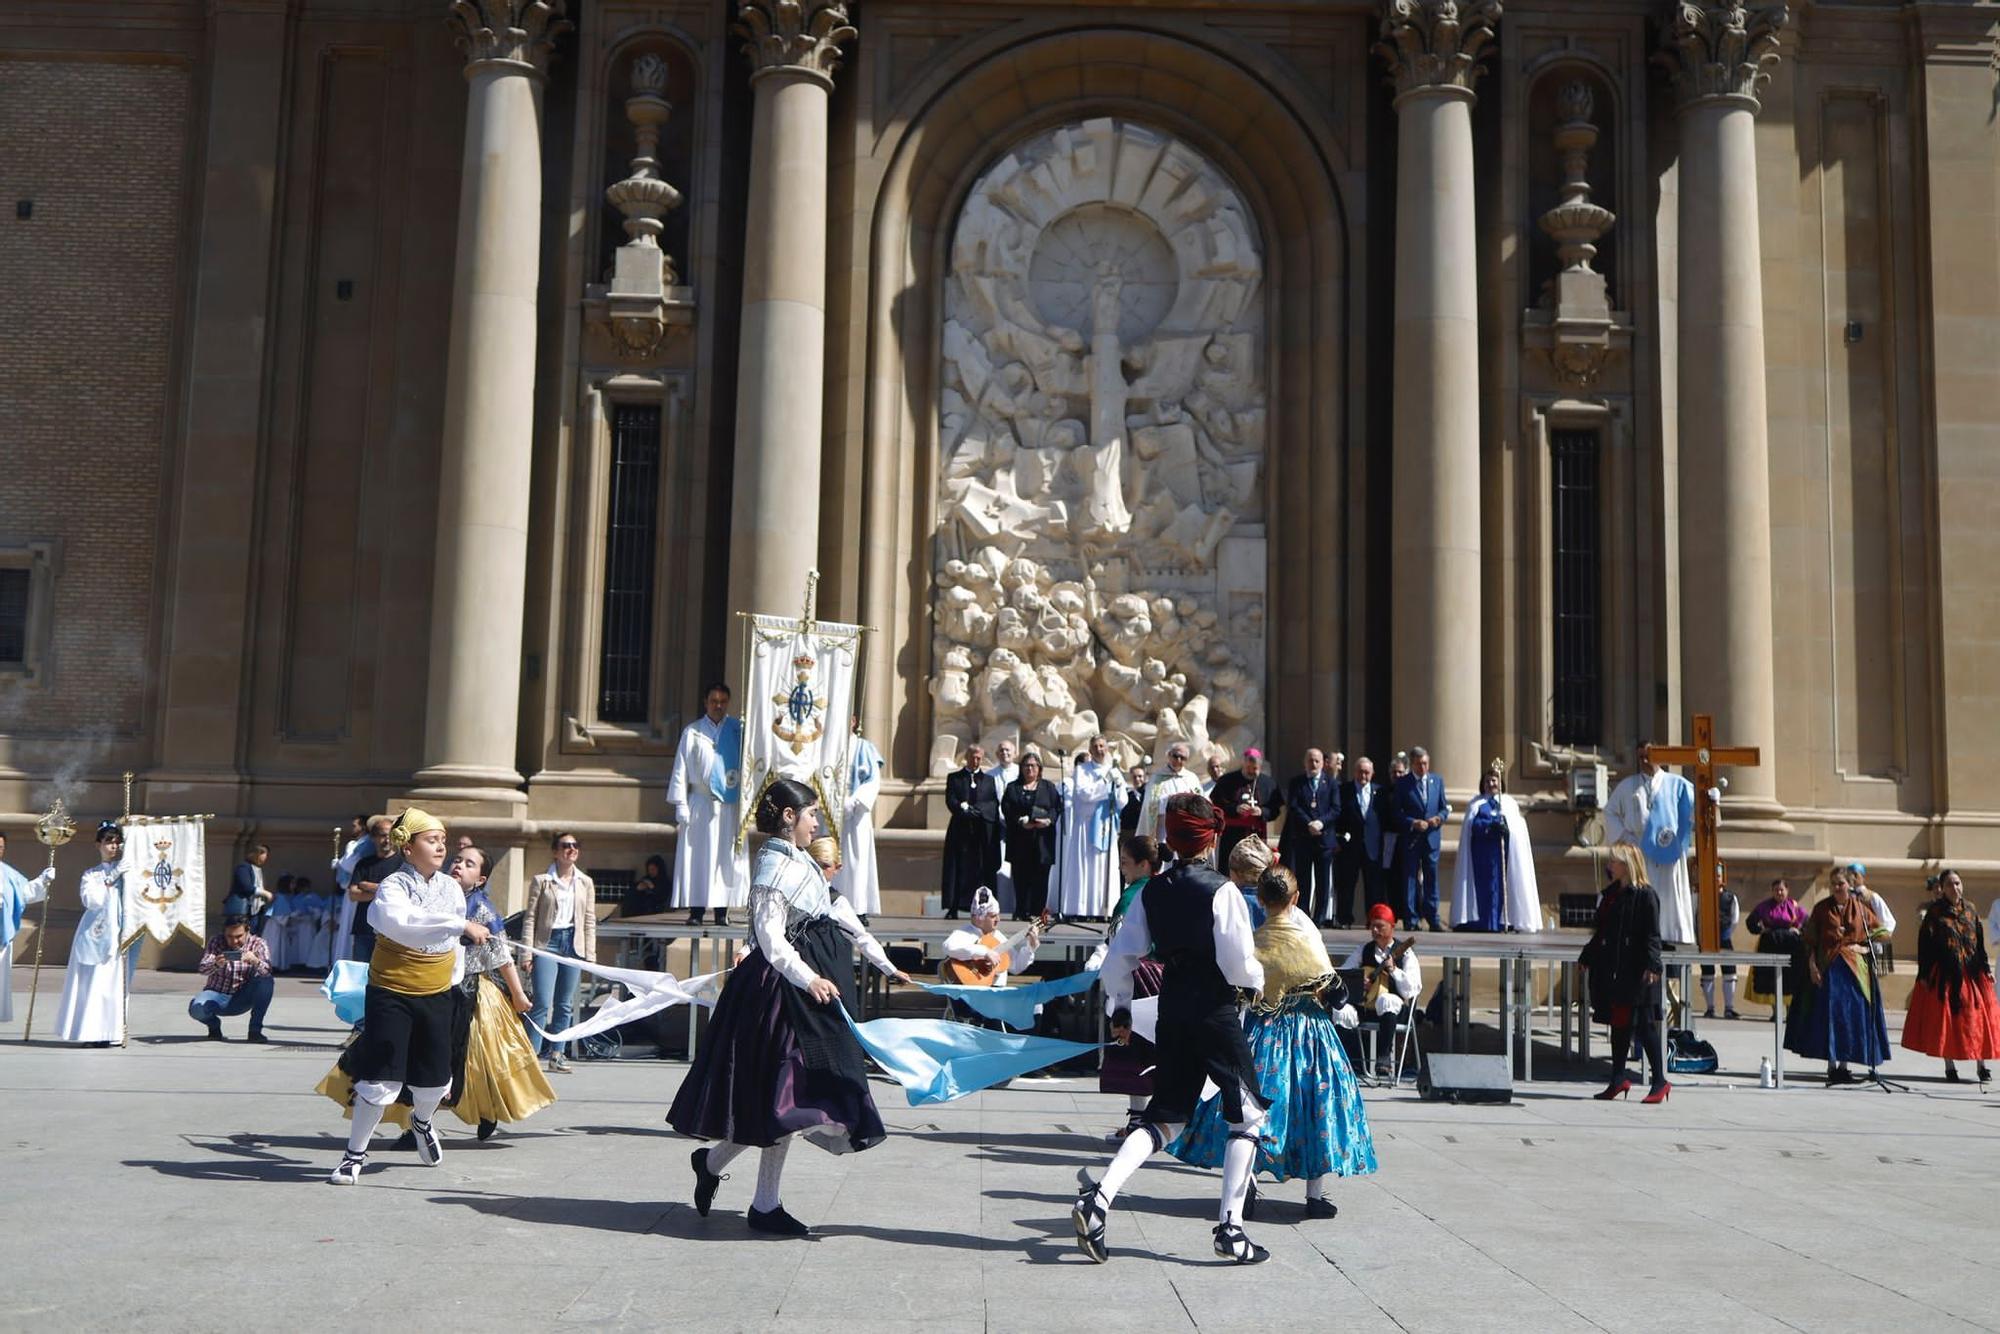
(347, 986)
(1013, 1006)
(1672, 816)
(936, 1060)
(725, 780)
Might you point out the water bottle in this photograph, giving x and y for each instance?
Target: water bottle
(1764, 1077)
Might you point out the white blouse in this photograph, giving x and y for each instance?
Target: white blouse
(787, 887)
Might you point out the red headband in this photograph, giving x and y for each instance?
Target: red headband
(1189, 834)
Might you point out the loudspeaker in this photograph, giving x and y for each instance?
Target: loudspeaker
(1449, 1077)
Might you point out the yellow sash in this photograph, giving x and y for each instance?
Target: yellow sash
(400, 969)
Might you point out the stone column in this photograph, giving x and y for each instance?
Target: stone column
(489, 399)
(1716, 53)
(794, 47)
(1433, 48)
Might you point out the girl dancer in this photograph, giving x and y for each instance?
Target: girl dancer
(497, 1078)
(778, 1058)
(1316, 1127)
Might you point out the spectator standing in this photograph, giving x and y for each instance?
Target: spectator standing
(1421, 811)
(367, 867)
(1029, 809)
(1312, 829)
(236, 973)
(1622, 965)
(1363, 841)
(561, 917)
(1953, 1011)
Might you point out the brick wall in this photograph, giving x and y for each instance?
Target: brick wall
(85, 358)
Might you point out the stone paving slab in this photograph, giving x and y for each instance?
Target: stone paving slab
(179, 1184)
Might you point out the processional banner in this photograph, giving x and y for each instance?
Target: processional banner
(166, 877)
(797, 702)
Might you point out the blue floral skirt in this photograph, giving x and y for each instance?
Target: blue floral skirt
(1838, 1021)
(1315, 1124)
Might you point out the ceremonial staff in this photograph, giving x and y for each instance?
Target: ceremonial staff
(53, 829)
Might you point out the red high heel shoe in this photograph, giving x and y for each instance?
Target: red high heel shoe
(1617, 1090)
(1657, 1096)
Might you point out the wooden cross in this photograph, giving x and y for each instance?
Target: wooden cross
(1704, 755)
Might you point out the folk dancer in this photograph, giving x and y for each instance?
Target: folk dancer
(496, 1077)
(1126, 1069)
(860, 881)
(1836, 1012)
(1316, 1127)
(1727, 912)
(1094, 795)
(1495, 888)
(1196, 922)
(778, 1058)
(708, 867)
(1654, 811)
(16, 893)
(1953, 1012)
(983, 952)
(1392, 977)
(92, 1008)
(418, 915)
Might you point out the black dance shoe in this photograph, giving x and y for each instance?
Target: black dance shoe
(1250, 1204)
(1231, 1244)
(1322, 1208)
(777, 1222)
(486, 1129)
(705, 1181)
(1089, 1217)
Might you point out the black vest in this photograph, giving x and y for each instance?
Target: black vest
(1180, 914)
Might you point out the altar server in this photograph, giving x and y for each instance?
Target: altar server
(92, 1009)
(16, 893)
(708, 864)
(1086, 879)
(1654, 811)
(859, 880)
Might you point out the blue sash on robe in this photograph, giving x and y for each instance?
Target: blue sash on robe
(13, 903)
(725, 777)
(1670, 822)
(865, 765)
(1013, 1006)
(936, 1060)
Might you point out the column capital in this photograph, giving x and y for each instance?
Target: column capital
(520, 33)
(1719, 50)
(1435, 45)
(793, 36)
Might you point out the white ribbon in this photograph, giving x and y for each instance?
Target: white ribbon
(651, 993)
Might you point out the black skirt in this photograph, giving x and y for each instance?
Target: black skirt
(774, 1062)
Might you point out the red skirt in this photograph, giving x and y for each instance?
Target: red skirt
(1970, 1032)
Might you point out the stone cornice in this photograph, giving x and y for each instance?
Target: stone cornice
(793, 36)
(520, 33)
(1435, 45)
(1719, 49)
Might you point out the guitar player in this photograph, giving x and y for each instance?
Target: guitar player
(981, 956)
(1391, 980)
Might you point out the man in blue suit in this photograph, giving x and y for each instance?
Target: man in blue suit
(1312, 818)
(1421, 811)
(1364, 818)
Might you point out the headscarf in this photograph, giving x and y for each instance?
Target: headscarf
(984, 901)
(1382, 912)
(411, 823)
(1951, 950)
(1192, 827)
(1252, 857)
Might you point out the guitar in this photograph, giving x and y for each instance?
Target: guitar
(986, 972)
(1378, 975)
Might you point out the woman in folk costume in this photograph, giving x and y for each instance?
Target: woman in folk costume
(418, 914)
(1195, 921)
(859, 882)
(1495, 886)
(1316, 1127)
(1953, 1011)
(92, 1008)
(1127, 1068)
(497, 1077)
(1776, 922)
(1836, 1012)
(778, 1058)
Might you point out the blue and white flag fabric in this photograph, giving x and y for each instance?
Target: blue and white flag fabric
(1013, 1006)
(936, 1060)
(346, 986)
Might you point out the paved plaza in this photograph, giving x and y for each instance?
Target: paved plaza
(180, 1184)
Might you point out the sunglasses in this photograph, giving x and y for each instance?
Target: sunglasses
(569, 847)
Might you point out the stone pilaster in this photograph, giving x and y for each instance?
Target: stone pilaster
(1717, 54)
(1432, 49)
(484, 475)
(793, 47)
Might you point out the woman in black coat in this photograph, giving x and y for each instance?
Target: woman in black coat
(1028, 811)
(1622, 963)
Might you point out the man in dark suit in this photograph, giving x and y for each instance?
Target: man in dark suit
(1364, 815)
(1247, 800)
(1312, 819)
(972, 839)
(1421, 811)
(1128, 819)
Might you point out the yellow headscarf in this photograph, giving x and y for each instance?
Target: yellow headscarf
(411, 823)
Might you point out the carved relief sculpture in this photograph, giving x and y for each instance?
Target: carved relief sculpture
(1101, 426)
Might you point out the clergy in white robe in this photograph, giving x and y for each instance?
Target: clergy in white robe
(1003, 773)
(1494, 875)
(1095, 792)
(92, 1008)
(16, 893)
(709, 867)
(1654, 811)
(1169, 782)
(858, 880)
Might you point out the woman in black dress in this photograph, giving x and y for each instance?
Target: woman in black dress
(778, 1058)
(1028, 811)
(1622, 963)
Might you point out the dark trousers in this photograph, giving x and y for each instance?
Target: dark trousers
(1420, 881)
(1031, 888)
(1357, 866)
(1313, 866)
(253, 997)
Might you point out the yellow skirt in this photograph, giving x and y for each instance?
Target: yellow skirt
(503, 1080)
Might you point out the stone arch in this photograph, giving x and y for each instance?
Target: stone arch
(1239, 112)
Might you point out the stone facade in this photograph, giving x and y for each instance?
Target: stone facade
(318, 420)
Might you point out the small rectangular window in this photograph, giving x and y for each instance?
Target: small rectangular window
(625, 657)
(1578, 564)
(16, 597)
